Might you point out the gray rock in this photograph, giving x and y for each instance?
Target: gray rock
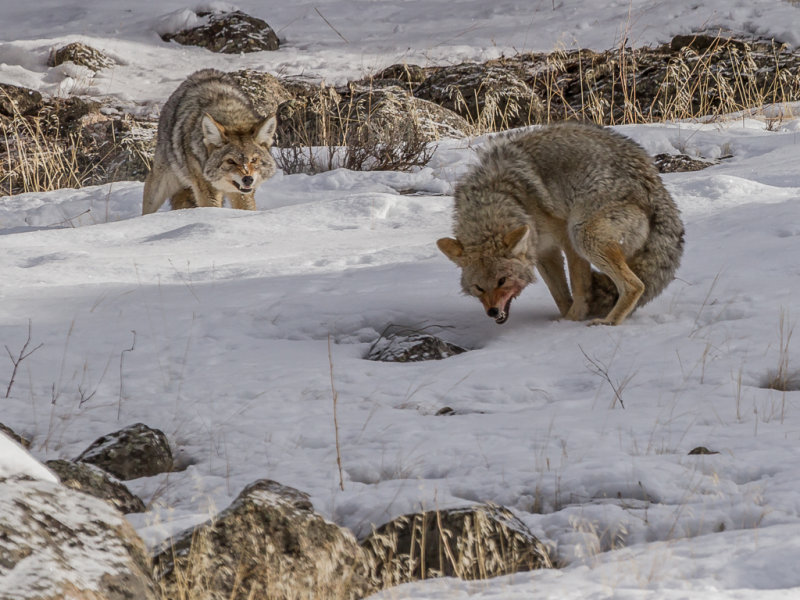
(679, 163)
(228, 33)
(59, 543)
(269, 543)
(476, 542)
(488, 95)
(82, 55)
(92, 480)
(15, 100)
(132, 452)
(409, 346)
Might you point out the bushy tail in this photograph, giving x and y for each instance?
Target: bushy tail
(655, 264)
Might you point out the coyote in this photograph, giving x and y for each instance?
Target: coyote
(581, 190)
(211, 144)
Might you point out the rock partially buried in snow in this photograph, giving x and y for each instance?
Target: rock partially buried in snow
(269, 543)
(133, 452)
(228, 33)
(476, 542)
(94, 481)
(82, 55)
(56, 542)
(411, 347)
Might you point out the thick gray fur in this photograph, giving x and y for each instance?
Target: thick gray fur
(582, 182)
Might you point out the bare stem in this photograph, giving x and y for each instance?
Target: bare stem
(23, 354)
(335, 419)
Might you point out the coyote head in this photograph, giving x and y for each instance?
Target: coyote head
(494, 272)
(239, 159)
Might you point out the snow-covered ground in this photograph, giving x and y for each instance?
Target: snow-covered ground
(214, 325)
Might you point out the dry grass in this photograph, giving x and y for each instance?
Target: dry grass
(433, 544)
(356, 134)
(619, 87)
(34, 159)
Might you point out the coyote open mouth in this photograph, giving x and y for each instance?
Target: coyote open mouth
(503, 316)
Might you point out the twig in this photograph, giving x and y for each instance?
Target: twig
(20, 357)
(602, 370)
(121, 360)
(335, 419)
(331, 26)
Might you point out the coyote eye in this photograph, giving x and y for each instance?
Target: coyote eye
(230, 162)
(479, 288)
(501, 281)
(254, 160)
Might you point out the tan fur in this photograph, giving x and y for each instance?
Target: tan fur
(211, 145)
(567, 190)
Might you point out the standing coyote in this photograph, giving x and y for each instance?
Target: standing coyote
(580, 190)
(211, 144)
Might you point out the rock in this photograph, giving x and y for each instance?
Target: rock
(404, 73)
(132, 452)
(92, 480)
(487, 95)
(59, 543)
(265, 91)
(701, 450)
(82, 55)
(471, 543)
(678, 163)
(392, 114)
(228, 33)
(15, 100)
(269, 543)
(411, 347)
(25, 443)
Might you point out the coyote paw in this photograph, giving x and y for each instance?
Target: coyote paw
(594, 322)
(577, 312)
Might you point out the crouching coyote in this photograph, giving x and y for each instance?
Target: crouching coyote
(211, 144)
(572, 190)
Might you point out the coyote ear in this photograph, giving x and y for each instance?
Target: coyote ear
(213, 132)
(451, 248)
(517, 240)
(264, 131)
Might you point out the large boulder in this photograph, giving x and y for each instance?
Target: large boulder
(58, 543)
(268, 544)
(132, 452)
(476, 542)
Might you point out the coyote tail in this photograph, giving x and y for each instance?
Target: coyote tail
(655, 263)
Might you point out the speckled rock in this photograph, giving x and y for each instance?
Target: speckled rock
(92, 480)
(132, 452)
(268, 544)
(411, 347)
(228, 33)
(482, 541)
(82, 55)
(57, 543)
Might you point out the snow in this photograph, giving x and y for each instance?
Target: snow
(213, 325)
(16, 461)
